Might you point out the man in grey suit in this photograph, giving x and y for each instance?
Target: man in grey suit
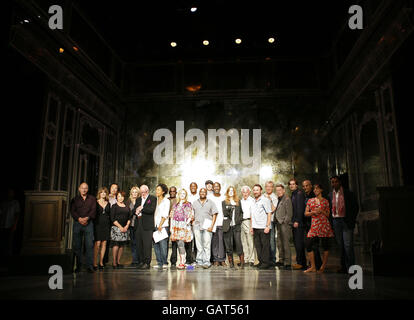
(283, 220)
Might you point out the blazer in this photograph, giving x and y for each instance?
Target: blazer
(147, 218)
(351, 208)
(227, 213)
(284, 211)
(298, 204)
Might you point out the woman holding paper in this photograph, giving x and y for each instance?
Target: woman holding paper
(182, 215)
(161, 224)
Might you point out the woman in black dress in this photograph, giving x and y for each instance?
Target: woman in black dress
(102, 226)
(121, 219)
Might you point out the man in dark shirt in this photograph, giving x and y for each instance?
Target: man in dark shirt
(298, 204)
(308, 189)
(83, 210)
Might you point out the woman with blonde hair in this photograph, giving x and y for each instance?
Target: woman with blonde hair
(102, 226)
(182, 215)
(233, 217)
(134, 194)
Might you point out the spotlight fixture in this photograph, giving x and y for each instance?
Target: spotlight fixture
(271, 40)
(61, 50)
(238, 41)
(173, 44)
(206, 43)
(193, 9)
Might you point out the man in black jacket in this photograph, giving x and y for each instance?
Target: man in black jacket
(344, 210)
(298, 204)
(144, 210)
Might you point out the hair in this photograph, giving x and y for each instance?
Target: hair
(123, 193)
(318, 185)
(209, 182)
(164, 188)
(83, 183)
(132, 189)
(294, 180)
(258, 185)
(100, 190)
(114, 184)
(235, 197)
(194, 183)
(280, 185)
(307, 180)
(217, 183)
(270, 182)
(173, 187)
(335, 177)
(245, 187)
(186, 195)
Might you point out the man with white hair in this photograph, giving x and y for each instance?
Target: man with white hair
(144, 210)
(246, 237)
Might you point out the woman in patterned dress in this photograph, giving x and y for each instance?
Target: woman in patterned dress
(182, 215)
(318, 209)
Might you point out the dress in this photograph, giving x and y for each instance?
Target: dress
(180, 230)
(102, 222)
(122, 215)
(320, 226)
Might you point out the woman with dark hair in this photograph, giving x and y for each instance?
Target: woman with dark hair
(102, 226)
(321, 229)
(232, 219)
(121, 219)
(161, 214)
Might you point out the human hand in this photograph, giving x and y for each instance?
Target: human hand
(295, 224)
(267, 230)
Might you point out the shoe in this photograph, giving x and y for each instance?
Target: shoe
(181, 266)
(194, 264)
(145, 267)
(101, 267)
(139, 265)
(165, 266)
(120, 266)
(95, 268)
(216, 264)
(173, 267)
(133, 265)
(206, 266)
(279, 264)
(114, 266)
(251, 264)
(297, 267)
(157, 267)
(272, 264)
(91, 270)
(223, 263)
(264, 266)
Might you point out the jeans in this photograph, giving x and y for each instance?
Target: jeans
(272, 252)
(80, 231)
(203, 242)
(161, 251)
(345, 238)
(133, 246)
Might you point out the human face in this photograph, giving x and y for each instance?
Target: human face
(114, 189)
(182, 195)
(158, 191)
(144, 191)
(203, 193)
(280, 192)
(307, 186)
(317, 191)
(293, 186)
(83, 189)
(102, 194)
(209, 187)
(216, 188)
(257, 192)
(231, 192)
(245, 193)
(193, 188)
(134, 193)
(336, 184)
(120, 198)
(173, 193)
(269, 188)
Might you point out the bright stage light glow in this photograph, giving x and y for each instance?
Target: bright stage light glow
(193, 9)
(266, 172)
(271, 40)
(197, 170)
(238, 41)
(173, 44)
(206, 43)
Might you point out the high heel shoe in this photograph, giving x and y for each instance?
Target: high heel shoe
(101, 267)
(114, 266)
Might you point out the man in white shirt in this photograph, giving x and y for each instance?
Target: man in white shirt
(246, 237)
(269, 188)
(191, 246)
(261, 222)
(193, 195)
(217, 242)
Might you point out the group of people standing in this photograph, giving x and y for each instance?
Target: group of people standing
(205, 226)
